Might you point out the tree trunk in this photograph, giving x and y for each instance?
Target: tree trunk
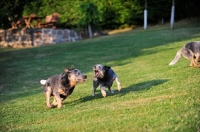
(90, 31)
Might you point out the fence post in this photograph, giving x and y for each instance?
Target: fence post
(145, 15)
(172, 16)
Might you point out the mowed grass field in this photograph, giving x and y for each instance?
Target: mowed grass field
(155, 96)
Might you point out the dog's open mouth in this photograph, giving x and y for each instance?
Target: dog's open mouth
(84, 78)
(96, 73)
(81, 80)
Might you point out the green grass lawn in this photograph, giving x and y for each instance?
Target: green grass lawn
(155, 97)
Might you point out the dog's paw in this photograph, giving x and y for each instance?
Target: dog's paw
(93, 94)
(171, 63)
(112, 92)
(119, 88)
(43, 82)
(54, 104)
(59, 105)
(49, 106)
(103, 92)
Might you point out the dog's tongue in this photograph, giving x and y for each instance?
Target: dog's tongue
(96, 73)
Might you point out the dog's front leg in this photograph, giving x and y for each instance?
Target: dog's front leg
(109, 88)
(196, 65)
(58, 99)
(197, 60)
(118, 84)
(193, 63)
(194, 60)
(103, 91)
(95, 85)
(54, 103)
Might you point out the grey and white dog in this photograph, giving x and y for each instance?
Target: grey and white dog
(104, 76)
(190, 51)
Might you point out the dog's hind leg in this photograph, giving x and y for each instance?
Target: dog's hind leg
(177, 57)
(118, 84)
(48, 94)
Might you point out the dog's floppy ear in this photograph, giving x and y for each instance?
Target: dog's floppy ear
(107, 67)
(73, 67)
(66, 70)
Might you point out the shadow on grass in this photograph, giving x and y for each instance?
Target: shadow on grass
(143, 85)
(7, 95)
(133, 88)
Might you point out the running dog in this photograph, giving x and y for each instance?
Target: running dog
(190, 51)
(104, 76)
(61, 85)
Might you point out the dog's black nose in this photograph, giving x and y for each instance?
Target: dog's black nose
(85, 76)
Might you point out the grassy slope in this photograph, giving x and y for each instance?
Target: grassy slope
(155, 96)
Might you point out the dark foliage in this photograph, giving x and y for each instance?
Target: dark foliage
(113, 13)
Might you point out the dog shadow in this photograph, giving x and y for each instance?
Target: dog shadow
(133, 88)
(142, 86)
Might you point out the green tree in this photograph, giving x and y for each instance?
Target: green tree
(90, 16)
(116, 13)
(107, 14)
(11, 8)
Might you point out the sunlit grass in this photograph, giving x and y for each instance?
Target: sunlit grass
(155, 96)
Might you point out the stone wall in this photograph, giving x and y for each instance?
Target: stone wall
(17, 38)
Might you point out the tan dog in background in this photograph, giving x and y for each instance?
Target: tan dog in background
(190, 51)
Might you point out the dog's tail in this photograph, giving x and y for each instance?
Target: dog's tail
(43, 82)
(177, 57)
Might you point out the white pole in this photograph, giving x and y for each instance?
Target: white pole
(145, 15)
(145, 19)
(90, 31)
(172, 16)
